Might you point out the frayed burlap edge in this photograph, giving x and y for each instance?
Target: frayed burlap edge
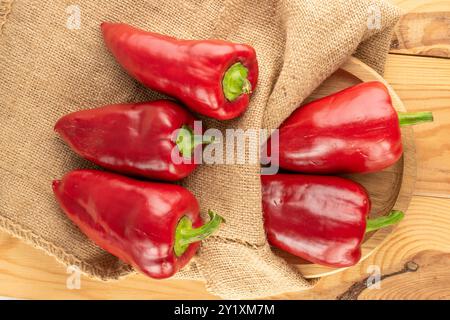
(5, 9)
(60, 254)
(17, 231)
(91, 270)
(189, 272)
(295, 282)
(30, 238)
(36, 241)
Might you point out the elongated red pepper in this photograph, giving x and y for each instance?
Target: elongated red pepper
(155, 227)
(356, 130)
(137, 139)
(212, 77)
(318, 218)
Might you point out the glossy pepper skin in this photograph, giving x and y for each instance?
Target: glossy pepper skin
(190, 70)
(356, 130)
(134, 220)
(321, 219)
(136, 139)
(318, 218)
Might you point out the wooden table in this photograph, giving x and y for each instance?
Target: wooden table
(414, 262)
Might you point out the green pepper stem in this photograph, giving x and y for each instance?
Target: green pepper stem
(235, 82)
(187, 141)
(382, 222)
(185, 234)
(412, 118)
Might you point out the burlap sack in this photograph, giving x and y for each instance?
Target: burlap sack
(49, 68)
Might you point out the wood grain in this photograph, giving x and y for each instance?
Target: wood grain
(426, 34)
(424, 29)
(425, 229)
(423, 237)
(389, 189)
(429, 281)
(424, 84)
(422, 5)
(26, 272)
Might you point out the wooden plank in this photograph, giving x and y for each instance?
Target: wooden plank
(426, 276)
(29, 273)
(424, 84)
(388, 189)
(422, 238)
(422, 5)
(424, 29)
(426, 34)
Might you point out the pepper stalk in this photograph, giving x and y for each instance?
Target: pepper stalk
(412, 118)
(187, 141)
(185, 234)
(394, 217)
(235, 82)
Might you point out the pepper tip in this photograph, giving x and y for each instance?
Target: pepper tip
(104, 25)
(55, 184)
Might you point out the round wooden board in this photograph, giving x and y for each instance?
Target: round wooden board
(388, 189)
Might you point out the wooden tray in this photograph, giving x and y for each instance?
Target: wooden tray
(388, 189)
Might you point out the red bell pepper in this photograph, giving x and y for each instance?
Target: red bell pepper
(212, 77)
(318, 218)
(136, 139)
(155, 227)
(356, 130)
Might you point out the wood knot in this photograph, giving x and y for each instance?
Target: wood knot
(395, 44)
(411, 266)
